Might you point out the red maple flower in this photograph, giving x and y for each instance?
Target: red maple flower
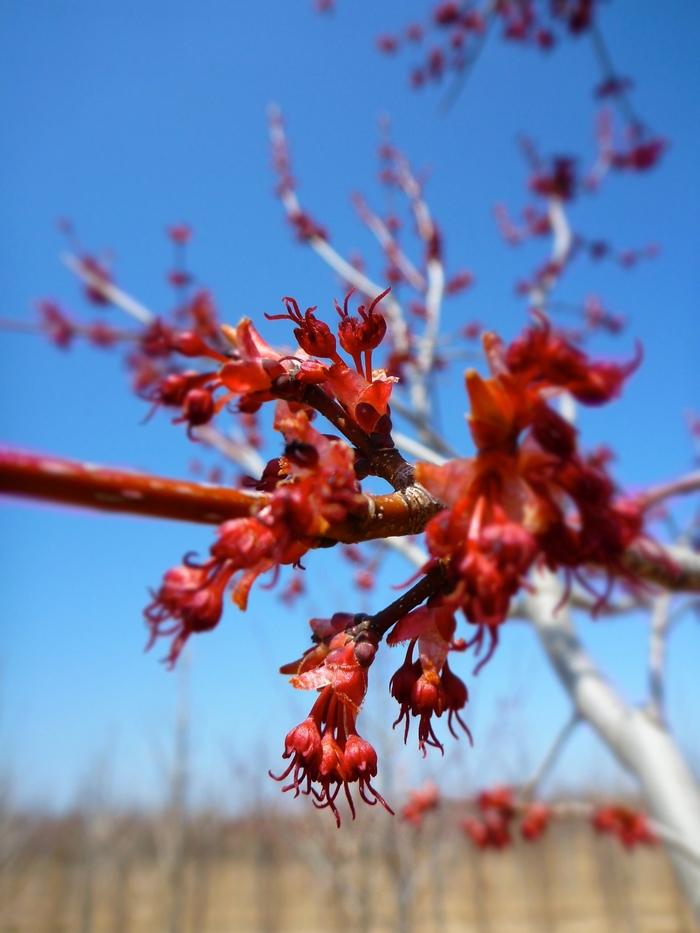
(313, 336)
(420, 802)
(427, 687)
(317, 486)
(364, 393)
(180, 234)
(56, 324)
(535, 820)
(326, 751)
(189, 600)
(490, 831)
(630, 826)
(528, 492)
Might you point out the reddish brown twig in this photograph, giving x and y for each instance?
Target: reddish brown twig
(54, 479)
(400, 513)
(113, 490)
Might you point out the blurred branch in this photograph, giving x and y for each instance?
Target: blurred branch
(641, 745)
(550, 758)
(401, 513)
(110, 291)
(679, 487)
(673, 568)
(562, 243)
(430, 436)
(659, 629)
(389, 244)
(417, 449)
(114, 490)
(620, 607)
(237, 451)
(321, 246)
(434, 292)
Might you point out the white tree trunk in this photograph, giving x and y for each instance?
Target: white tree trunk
(641, 744)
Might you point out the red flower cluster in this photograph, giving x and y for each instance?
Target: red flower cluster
(313, 485)
(458, 30)
(419, 803)
(62, 330)
(427, 687)
(364, 392)
(492, 828)
(534, 820)
(559, 180)
(528, 492)
(630, 826)
(639, 151)
(98, 275)
(252, 370)
(326, 752)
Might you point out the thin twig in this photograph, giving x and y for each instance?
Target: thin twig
(562, 737)
(608, 71)
(658, 632)
(237, 451)
(682, 486)
(416, 449)
(562, 243)
(389, 244)
(110, 291)
(413, 552)
(354, 277)
(438, 443)
(434, 291)
(380, 623)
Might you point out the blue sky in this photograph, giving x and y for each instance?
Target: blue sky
(130, 116)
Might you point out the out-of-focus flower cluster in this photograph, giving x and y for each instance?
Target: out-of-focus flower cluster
(528, 494)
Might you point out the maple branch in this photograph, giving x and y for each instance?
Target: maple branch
(677, 487)
(237, 451)
(435, 287)
(579, 600)
(673, 568)
(290, 201)
(562, 737)
(609, 72)
(67, 482)
(382, 457)
(388, 243)
(108, 290)
(404, 512)
(642, 745)
(380, 623)
(660, 625)
(119, 490)
(562, 244)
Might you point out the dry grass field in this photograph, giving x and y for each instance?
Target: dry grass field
(212, 875)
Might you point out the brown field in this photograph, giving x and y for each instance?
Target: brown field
(213, 875)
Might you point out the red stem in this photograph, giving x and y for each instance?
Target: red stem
(71, 483)
(400, 513)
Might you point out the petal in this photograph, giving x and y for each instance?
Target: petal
(447, 483)
(415, 625)
(312, 680)
(243, 376)
(245, 338)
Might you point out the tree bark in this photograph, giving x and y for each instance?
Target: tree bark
(642, 746)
